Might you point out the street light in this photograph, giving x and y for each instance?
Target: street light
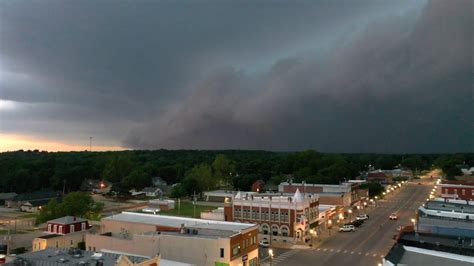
(270, 253)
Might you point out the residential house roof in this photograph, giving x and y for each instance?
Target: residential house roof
(36, 195)
(8, 195)
(67, 220)
(150, 189)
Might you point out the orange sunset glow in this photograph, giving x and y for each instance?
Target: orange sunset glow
(11, 142)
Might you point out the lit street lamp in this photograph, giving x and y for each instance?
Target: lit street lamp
(270, 253)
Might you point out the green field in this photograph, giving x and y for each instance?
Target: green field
(187, 210)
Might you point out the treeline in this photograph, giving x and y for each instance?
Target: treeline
(24, 171)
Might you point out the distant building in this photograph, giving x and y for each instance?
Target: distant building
(64, 232)
(218, 195)
(281, 218)
(74, 257)
(7, 196)
(258, 186)
(189, 240)
(162, 204)
(463, 190)
(34, 199)
(345, 194)
(33, 205)
(379, 177)
(153, 192)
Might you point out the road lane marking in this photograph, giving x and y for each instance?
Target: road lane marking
(332, 250)
(325, 249)
(345, 251)
(366, 254)
(338, 250)
(374, 255)
(360, 253)
(318, 249)
(352, 252)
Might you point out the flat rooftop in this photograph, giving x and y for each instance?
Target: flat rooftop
(54, 256)
(456, 206)
(67, 220)
(438, 242)
(175, 221)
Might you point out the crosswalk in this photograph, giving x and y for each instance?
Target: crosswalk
(282, 257)
(356, 253)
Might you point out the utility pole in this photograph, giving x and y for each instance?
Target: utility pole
(194, 204)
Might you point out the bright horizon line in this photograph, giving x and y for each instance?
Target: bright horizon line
(15, 142)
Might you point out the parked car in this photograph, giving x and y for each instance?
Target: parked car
(393, 216)
(264, 243)
(347, 228)
(356, 223)
(362, 217)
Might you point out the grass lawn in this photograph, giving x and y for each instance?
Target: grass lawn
(186, 210)
(28, 215)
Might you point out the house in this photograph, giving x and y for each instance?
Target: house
(34, 205)
(152, 192)
(162, 204)
(41, 196)
(64, 232)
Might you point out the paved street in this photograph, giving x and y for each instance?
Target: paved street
(370, 242)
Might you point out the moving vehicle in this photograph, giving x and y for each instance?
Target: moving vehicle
(347, 228)
(362, 217)
(393, 216)
(264, 243)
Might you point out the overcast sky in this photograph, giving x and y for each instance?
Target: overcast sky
(331, 75)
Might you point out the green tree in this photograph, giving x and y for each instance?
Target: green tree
(203, 174)
(74, 204)
(137, 179)
(223, 168)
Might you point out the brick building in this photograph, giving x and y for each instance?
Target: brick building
(457, 190)
(280, 217)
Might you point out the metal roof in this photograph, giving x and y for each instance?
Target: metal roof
(175, 221)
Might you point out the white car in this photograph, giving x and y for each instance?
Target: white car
(264, 243)
(362, 217)
(393, 216)
(347, 228)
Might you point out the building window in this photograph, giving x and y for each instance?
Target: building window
(255, 239)
(463, 192)
(60, 229)
(284, 230)
(265, 229)
(235, 250)
(71, 228)
(49, 227)
(275, 230)
(445, 191)
(83, 226)
(55, 229)
(222, 252)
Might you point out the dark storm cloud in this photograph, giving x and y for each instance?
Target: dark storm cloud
(330, 75)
